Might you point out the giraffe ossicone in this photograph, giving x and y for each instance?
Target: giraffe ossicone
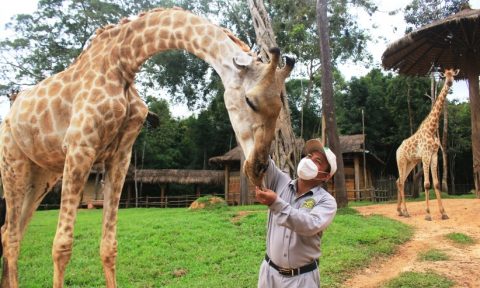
(91, 114)
(423, 146)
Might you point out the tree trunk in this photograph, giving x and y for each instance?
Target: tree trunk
(444, 148)
(327, 101)
(473, 87)
(286, 151)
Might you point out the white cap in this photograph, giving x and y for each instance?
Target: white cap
(332, 160)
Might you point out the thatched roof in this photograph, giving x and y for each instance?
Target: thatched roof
(163, 176)
(348, 144)
(445, 43)
(352, 143)
(231, 156)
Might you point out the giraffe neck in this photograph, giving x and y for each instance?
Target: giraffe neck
(130, 44)
(431, 122)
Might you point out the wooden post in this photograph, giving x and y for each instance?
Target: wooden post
(197, 191)
(243, 183)
(227, 182)
(129, 195)
(162, 195)
(356, 166)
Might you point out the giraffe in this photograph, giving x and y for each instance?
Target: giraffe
(91, 113)
(423, 146)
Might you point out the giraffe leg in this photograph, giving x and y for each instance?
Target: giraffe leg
(114, 179)
(116, 170)
(404, 168)
(42, 182)
(15, 169)
(436, 185)
(426, 184)
(78, 161)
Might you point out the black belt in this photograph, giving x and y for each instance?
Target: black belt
(292, 271)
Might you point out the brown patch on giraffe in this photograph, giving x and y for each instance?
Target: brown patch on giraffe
(166, 21)
(137, 41)
(200, 29)
(46, 123)
(149, 36)
(140, 24)
(103, 108)
(41, 106)
(206, 41)
(51, 142)
(42, 92)
(194, 20)
(178, 35)
(179, 19)
(153, 20)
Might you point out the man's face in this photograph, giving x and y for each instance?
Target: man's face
(322, 164)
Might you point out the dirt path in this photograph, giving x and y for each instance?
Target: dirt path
(463, 265)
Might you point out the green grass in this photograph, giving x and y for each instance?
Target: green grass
(182, 248)
(433, 255)
(416, 280)
(460, 238)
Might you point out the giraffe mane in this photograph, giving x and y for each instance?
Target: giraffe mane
(243, 46)
(236, 40)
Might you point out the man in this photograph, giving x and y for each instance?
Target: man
(299, 212)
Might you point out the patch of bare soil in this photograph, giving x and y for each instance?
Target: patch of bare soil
(463, 265)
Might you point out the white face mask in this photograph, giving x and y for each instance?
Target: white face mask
(307, 170)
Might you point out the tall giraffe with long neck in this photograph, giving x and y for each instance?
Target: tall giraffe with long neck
(423, 146)
(91, 113)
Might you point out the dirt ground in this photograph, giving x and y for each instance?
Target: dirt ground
(463, 265)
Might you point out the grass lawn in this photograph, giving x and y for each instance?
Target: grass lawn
(181, 248)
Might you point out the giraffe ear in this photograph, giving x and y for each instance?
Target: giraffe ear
(242, 61)
(456, 72)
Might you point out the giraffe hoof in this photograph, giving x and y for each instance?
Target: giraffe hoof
(445, 217)
(428, 218)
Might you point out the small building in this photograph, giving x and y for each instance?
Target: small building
(233, 177)
(361, 169)
(160, 179)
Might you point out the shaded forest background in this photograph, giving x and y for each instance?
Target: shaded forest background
(48, 40)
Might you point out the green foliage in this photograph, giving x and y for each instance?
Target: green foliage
(417, 279)
(383, 99)
(423, 12)
(175, 248)
(433, 255)
(460, 238)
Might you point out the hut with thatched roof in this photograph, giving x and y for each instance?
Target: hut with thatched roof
(234, 181)
(361, 169)
(162, 178)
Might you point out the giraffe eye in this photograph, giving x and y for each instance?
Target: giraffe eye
(250, 104)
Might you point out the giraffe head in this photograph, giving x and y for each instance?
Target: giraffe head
(259, 93)
(449, 74)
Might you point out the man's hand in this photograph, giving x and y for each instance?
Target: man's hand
(265, 196)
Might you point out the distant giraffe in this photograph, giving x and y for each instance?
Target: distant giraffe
(423, 146)
(91, 114)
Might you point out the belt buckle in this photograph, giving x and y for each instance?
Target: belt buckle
(287, 272)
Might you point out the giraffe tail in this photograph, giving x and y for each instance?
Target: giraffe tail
(3, 213)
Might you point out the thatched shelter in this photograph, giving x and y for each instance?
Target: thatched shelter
(359, 178)
(165, 176)
(452, 42)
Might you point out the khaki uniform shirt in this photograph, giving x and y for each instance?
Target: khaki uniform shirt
(295, 225)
